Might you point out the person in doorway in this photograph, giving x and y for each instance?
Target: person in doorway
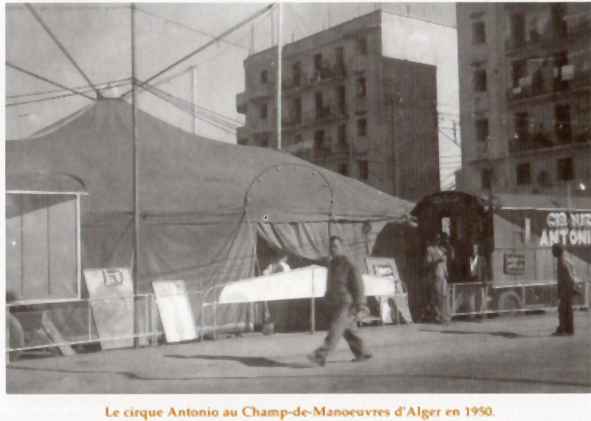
(479, 274)
(277, 266)
(436, 261)
(345, 299)
(566, 289)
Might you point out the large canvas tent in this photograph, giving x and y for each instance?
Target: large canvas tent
(203, 203)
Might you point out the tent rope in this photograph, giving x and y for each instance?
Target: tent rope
(206, 45)
(61, 47)
(59, 85)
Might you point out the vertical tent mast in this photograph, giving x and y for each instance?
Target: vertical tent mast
(136, 202)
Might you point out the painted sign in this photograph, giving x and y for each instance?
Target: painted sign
(514, 263)
(567, 228)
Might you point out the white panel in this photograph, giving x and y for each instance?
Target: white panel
(175, 310)
(306, 282)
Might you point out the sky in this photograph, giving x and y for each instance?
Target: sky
(98, 37)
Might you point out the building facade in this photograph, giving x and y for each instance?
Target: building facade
(525, 95)
(350, 103)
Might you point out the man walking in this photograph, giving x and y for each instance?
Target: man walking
(345, 298)
(566, 290)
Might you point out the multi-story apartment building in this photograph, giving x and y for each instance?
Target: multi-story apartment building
(355, 100)
(525, 94)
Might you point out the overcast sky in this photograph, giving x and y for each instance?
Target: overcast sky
(98, 37)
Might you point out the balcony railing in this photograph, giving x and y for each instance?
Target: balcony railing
(543, 83)
(549, 139)
(576, 25)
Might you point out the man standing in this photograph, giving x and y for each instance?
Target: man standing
(566, 290)
(345, 298)
(479, 274)
(436, 260)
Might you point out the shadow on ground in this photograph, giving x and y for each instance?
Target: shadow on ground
(248, 361)
(502, 334)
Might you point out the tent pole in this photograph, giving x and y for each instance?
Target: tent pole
(279, 76)
(136, 209)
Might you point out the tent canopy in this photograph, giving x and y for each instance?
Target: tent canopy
(203, 202)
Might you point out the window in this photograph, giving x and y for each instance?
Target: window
(562, 123)
(482, 130)
(319, 140)
(518, 72)
(263, 111)
(362, 45)
(296, 71)
(297, 110)
(480, 80)
(558, 15)
(523, 174)
(361, 87)
(342, 133)
(517, 30)
(264, 77)
(486, 178)
(363, 169)
(362, 127)
(521, 121)
(342, 99)
(478, 33)
(319, 100)
(566, 170)
(339, 54)
(317, 62)
(562, 71)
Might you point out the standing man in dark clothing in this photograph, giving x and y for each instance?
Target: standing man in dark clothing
(345, 298)
(566, 290)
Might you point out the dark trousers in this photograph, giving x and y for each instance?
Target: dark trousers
(565, 315)
(342, 323)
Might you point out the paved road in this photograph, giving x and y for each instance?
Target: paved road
(507, 355)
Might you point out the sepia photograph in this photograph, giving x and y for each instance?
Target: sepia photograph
(298, 199)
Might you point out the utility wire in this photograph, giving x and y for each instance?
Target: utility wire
(189, 108)
(56, 91)
(52, 98)
(299, 21)
(206, 45)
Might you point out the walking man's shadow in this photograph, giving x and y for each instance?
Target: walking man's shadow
(248, 361)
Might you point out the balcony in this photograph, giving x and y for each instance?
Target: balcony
(324, 113)
(576, 26)
(241, 102)
(547, 140)
(570, 77)
(291, 120)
